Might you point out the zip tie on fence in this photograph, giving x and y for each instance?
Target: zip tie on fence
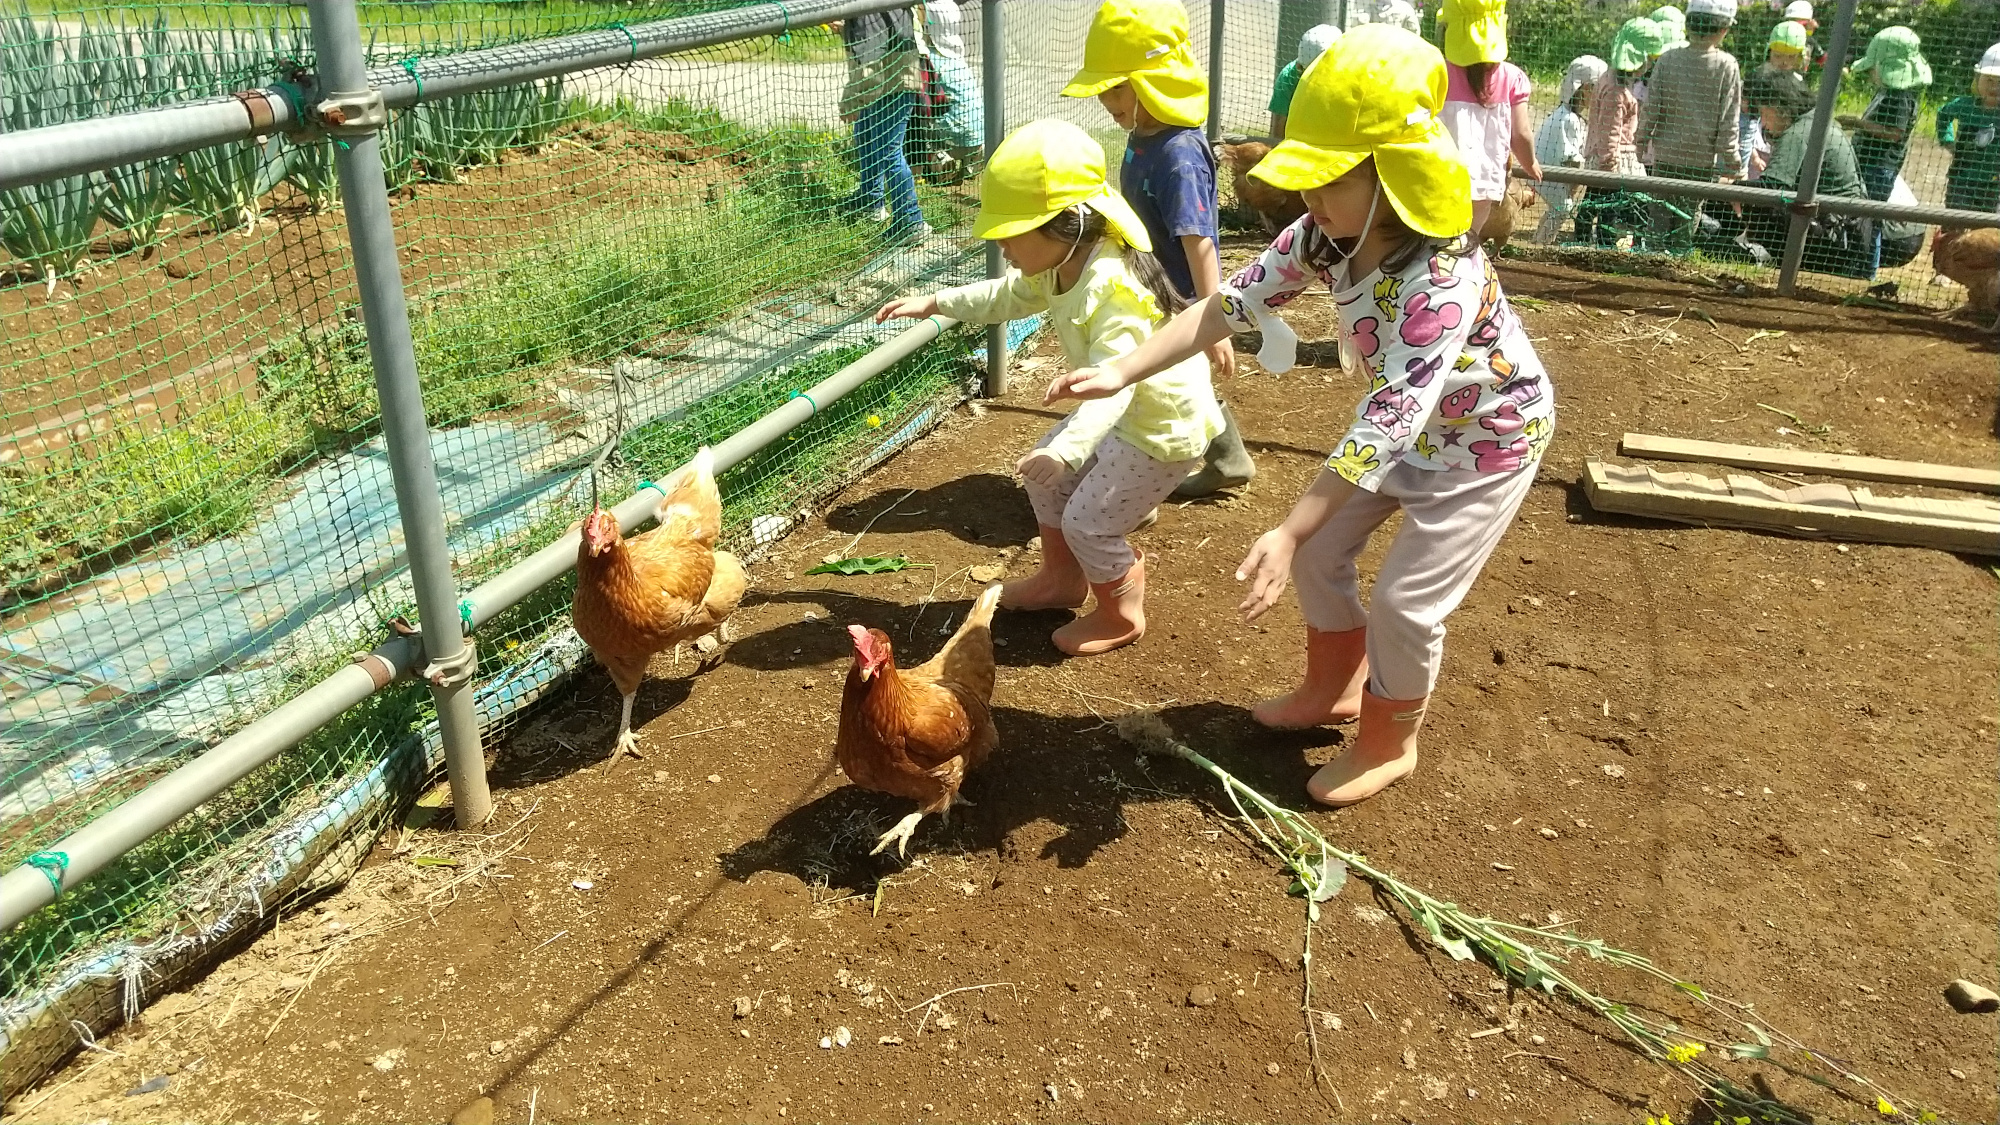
(465, 614)
(634, 40)
(654, 487)
(53, 866)
(809, 401)
(784, 33)
(410, 68)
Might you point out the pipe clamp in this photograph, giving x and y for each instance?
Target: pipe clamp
(454, 670)
(349, 114)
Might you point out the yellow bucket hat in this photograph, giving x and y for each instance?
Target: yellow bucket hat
(1475, 31)
(1376, 93)
(1042, 169)
(1144, 42)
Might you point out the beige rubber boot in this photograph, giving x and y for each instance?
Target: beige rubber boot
(1384, 752)
(1336, 672)
(1118, 620)
(1059, 584)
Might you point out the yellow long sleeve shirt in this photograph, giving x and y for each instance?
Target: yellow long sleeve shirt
(1107, 313)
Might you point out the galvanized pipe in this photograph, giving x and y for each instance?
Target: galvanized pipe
(1214, 70)
(336, 32)
(1767, 197)
(993, 80)
(101, 842)
(1829, 91)
(33, 155)
(96, 845)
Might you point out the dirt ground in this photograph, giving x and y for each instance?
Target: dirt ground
(1767, 763)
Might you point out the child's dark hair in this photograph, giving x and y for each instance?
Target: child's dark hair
(1083, 227)
(1479, 76)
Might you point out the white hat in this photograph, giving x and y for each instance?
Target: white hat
(1722, 9)
(1799, 10)
(1314, 41)
(1989, 63)
(1583, 71)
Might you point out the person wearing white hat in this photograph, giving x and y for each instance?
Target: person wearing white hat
(1801, 12)
(1692, 102)
(1311, 44)
(1970, 128)
(1560, 141)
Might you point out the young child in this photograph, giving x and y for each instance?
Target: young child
(1560, 141)
(1784, 53)
(1079, 253)
(1314, 41)
(1451, 431)
(1690, 117)
(1882, 133)
(1966, 126)
(1486, 103)
(1138, 65)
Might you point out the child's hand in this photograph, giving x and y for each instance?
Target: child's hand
(909, 308)
(1043, 468)
(1222, 355)
(1084, 382)
(1268, 567)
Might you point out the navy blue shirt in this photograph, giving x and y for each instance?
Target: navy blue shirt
(1169, 179)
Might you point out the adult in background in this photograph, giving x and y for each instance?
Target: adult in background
(884, 73)
(1837, 244)
(1311, 44)
(958, 130)
(1784, 52)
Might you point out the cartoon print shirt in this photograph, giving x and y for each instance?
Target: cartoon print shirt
(1455, 384)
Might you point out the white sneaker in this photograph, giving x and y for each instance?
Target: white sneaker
(879, 214)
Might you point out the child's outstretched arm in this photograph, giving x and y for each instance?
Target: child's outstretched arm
(1206, 269)
(1268, 566)
(914, 307)
(1009, 297)
(1195, 328)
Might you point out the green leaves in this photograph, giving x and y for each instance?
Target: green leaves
(870, 564)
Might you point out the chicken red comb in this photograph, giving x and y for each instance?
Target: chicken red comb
(859, 633)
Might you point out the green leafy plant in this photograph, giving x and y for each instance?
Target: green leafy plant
(48, 224)
(137, 198)
(868, 564)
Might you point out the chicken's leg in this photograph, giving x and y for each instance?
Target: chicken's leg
(899, 835)
(628, 743)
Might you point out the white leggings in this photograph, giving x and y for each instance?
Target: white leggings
(1452, 520)
(1100, 503)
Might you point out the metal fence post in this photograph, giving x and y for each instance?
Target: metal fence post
(993, 60)
(356, 113)
(1214, 70)
(1829, 91)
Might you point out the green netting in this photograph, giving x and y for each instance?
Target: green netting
(196, 517)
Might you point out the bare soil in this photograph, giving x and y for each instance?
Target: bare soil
(1767, 763)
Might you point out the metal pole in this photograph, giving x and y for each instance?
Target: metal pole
(101, 842)
(1829, 90)
(1769, 197)
(1214, 70)
(356, 112)
(993, 60)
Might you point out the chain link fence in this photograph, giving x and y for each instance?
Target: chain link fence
(198, 518)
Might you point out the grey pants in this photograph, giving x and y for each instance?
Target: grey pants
(1452, 521)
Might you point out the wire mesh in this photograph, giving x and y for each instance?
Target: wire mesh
(199, 519)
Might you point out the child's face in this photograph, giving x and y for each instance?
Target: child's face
(1773, 122)
(1341, 207)
(1034, 252)
(1782, 59)
(1580, 101)
(1122, 103)
(1987, 88)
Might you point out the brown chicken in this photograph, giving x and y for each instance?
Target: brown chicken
(657, 590)
(1500, 220)
(916, 732)
(1275, 207)
(1971, 258)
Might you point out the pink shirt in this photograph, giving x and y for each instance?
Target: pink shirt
(1485, 132)
(1507, 83)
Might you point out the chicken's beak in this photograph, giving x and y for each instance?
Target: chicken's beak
(867, 673)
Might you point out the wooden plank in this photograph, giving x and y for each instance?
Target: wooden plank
(1609, 492)
(1806, 461)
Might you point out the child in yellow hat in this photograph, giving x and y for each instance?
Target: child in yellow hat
(1450, 433)
(1486, 102)
(1138, 64)
(1080, 254)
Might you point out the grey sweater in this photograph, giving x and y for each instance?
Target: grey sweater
(1692, 97)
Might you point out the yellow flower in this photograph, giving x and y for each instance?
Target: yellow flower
(1662, 1119)
(1684, 1052)
(875, 420)
(1883, 1107)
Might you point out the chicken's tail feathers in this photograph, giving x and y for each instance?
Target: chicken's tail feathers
(982, 609)
(690, 503)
